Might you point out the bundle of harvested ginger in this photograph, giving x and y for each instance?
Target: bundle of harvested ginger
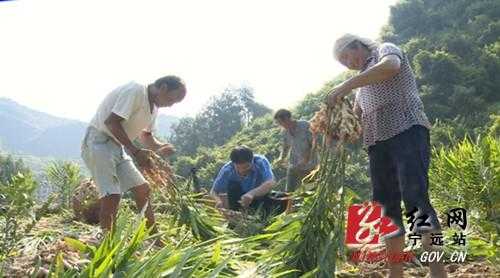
(160, 174)
(338, 123)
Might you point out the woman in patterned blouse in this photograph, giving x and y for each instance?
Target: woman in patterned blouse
(396, 135)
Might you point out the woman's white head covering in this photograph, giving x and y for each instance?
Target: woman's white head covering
(346, 39)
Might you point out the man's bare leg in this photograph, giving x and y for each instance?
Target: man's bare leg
(395, 246)
(109, 208)
(436, 269)
(142, 197)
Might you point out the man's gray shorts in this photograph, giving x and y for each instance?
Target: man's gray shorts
(111, 167)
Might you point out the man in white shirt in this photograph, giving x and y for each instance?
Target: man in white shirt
(126, 114)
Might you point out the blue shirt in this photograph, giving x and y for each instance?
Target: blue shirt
(261, 172)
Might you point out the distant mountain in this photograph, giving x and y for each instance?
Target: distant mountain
(30, 132)
(27, 131)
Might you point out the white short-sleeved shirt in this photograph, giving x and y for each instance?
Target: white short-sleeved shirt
(130, 102)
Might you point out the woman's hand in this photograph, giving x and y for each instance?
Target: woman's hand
(338, 93)
(166, 150)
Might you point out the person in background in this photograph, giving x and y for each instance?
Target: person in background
(396, 134)
(245, 182)
(297, 140)
(126, 114)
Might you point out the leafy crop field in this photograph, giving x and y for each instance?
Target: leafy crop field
(308, 241)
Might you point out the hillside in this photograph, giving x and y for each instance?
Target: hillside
(455, 54)
(264, 136)
(26, 131)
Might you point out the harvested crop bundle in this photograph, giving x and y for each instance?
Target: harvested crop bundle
(338, 123)
(311, 241)
(38, 265)
(86, 202)
(188, 209)
(85, 199)
(160, 174)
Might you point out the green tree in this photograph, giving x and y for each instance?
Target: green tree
(185, 136)
(9, 167)
(224, 115)
(454, 50)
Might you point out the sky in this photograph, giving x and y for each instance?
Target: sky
(62, 57)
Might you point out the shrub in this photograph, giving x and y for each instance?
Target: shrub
(467, 175)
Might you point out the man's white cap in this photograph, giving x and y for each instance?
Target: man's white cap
(346, 39)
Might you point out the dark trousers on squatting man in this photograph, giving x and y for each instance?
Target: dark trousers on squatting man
(268, 204)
